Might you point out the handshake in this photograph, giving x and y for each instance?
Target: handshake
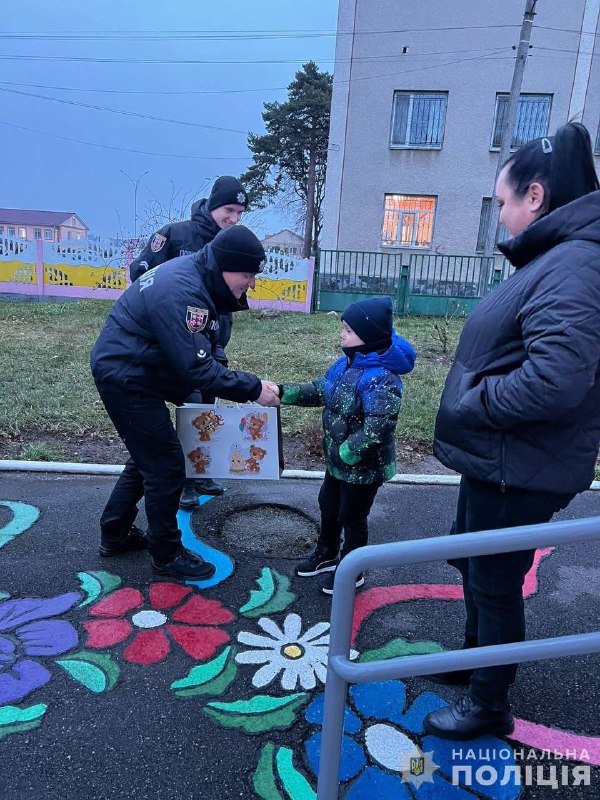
(269, 395)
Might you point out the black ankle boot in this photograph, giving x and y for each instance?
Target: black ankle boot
(466, 720)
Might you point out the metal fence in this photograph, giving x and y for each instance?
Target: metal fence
(341, 671)
(418, 283)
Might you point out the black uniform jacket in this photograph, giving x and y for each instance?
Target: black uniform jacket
(521, 404)
(183, 239)
(161, 335)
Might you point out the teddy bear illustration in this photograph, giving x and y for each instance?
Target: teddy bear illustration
(200, 458)
(256, 454)
(237, 463)
(206, 424)
(253, 424)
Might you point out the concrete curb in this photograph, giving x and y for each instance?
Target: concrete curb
(116, 469)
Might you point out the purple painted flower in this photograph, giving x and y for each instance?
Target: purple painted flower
(26, 631)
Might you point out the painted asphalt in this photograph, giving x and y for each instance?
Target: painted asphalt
(114, 683)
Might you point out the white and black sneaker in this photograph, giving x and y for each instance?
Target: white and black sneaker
(321, 560)
(327, 585)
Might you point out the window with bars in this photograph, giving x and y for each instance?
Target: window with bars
(418, 120)
(37, 233)
(502, 233)
(533, 118)
(408, 220)
(48, 236)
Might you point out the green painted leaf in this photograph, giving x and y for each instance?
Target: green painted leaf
(263, 779)
(258, 597)
(272, 597)
(294, 783)
(261, 713)
(96, 671)
(96, 584)
(23, 517)
(400, 647)
(20, 720)
(211, 678)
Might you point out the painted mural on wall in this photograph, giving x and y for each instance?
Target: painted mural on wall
(257, 670)
(94, 268)
(285, 283)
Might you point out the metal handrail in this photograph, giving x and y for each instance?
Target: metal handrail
(341, 671)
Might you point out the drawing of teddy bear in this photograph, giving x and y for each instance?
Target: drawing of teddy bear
(206, 424)
(256, 454)
(255, 424)
(200, 458)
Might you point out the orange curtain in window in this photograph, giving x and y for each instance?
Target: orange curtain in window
(402, 214)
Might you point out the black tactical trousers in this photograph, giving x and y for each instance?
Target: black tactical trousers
(155, 471)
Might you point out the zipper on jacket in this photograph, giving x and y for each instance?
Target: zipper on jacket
(502, 460)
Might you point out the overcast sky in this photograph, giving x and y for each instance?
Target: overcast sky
(99, 46)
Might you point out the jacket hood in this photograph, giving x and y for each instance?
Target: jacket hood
(202, 217)
(399, 358)
(212, 277)
(577, 221)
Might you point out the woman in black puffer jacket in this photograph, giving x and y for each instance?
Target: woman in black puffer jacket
(519, 417)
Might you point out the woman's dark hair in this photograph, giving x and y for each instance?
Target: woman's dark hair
(563, 164)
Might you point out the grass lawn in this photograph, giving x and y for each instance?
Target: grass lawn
(47, 386)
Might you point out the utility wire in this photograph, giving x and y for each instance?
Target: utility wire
(121, 111)
(125, 149)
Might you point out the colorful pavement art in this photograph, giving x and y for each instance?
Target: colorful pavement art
(257, 670)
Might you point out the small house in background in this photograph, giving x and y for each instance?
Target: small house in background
(49, 226)
(286, 241)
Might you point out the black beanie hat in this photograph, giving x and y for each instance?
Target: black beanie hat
(371, 320)
(237, 249)
(226, 190)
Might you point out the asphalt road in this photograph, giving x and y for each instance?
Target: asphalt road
(135, 690)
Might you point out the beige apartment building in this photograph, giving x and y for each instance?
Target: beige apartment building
(419, 94)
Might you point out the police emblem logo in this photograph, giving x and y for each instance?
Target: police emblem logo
(158, 242)
(417, 765)
(241, 198)
(196, 319)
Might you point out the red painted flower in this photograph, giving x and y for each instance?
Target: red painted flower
(193, 624)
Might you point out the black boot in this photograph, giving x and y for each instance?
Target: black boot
(208, 486)
(466, 720)
(134, 539)
(189, 496)
(185, 566)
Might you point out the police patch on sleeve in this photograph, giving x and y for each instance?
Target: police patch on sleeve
(158, 242)
(196, 319)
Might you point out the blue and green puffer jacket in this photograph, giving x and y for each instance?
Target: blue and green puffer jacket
(362, 401)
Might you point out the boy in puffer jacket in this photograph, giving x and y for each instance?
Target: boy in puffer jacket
(362, 393)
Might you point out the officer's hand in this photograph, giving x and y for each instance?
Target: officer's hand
(269, 395)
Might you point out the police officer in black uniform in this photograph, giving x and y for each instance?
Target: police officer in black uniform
(157, 345)
(222, 209)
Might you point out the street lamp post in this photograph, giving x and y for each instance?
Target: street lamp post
(135, 183)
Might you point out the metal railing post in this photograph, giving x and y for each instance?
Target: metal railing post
(341, 671)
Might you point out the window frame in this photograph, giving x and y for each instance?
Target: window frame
(495, 148)
(37, 233)
(501, 229)
(11, 231)
(412, 95)
(415, 224)
(48, 235)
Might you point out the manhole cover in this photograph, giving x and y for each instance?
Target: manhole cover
(271, 530)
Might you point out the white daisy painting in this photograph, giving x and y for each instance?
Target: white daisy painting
(300, 658)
